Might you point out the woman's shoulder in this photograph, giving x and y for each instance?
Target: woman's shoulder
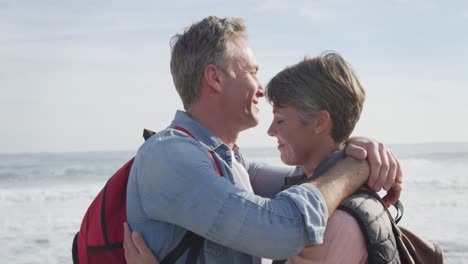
(343, 243)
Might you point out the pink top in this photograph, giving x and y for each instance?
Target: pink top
(343, 243)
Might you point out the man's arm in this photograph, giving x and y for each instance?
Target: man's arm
(298, 215)
(385, 170)
(352, 177)
(174, 182)
(341, 181)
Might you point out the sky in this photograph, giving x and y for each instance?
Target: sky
(90, 75)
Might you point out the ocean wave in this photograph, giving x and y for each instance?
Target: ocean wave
(437, 156)
(60, 166)
(36, 195)
(8, 175)
(55, 175)
(454, 252)
(424, 170)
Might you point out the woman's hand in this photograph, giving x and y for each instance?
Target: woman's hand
(135, 249)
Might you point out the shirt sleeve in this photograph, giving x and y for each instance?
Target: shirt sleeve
(343, 243)
(177, 184)
(267, 180)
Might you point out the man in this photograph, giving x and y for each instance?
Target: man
(174, 188)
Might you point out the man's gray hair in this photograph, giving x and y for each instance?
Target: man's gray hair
(325, 82)
(206, 42)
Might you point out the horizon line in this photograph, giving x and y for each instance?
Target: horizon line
(242, 148)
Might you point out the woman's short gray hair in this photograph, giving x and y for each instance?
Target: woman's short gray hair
(206, 42)
(325, 82)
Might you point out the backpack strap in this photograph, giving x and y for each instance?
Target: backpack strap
(377, 225)
(398, 206)
(400, 210)
(75, 249)
(282, 261)
(147, 133)
(191, 241)
(211, 154)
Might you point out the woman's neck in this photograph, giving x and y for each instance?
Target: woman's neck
(318, 156)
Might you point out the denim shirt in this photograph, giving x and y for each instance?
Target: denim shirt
(173, 187)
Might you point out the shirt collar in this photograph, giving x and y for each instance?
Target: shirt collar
(201, 133)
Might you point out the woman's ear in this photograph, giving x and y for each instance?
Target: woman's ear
(323, 122)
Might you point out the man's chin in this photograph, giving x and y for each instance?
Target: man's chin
(253, 123)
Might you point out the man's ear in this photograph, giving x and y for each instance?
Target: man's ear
(213, 78)
(323, 122)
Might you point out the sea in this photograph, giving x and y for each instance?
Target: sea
(43, 197)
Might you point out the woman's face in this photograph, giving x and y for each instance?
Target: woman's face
(296, 140)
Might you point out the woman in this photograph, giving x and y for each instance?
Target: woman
(316, 105)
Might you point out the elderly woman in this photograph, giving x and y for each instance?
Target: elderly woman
(316, 105)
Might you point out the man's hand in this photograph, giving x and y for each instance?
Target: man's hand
(135, 249)
(341, 180)
(385, 170)
(393, 194)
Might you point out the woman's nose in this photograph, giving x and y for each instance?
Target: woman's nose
(271, 130)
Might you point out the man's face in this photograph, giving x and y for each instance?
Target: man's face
(243, 90)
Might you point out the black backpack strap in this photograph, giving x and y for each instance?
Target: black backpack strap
(279, 261)
(147, 133)
(75, 249)
(190, 241)
(195, 249)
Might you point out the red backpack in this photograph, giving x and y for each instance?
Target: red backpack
(100, 239)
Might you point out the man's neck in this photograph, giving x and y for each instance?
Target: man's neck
(216, 123)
